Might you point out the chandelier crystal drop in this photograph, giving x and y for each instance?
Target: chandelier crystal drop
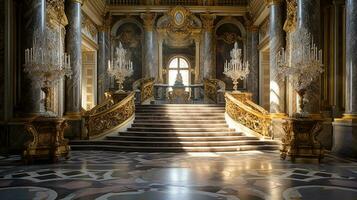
(301, 64)
(120, 67)
(236, 69)
(45, 62)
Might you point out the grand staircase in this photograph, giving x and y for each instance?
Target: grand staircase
(177, 128)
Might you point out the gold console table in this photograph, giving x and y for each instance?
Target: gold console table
(47, 141)
(300, 139)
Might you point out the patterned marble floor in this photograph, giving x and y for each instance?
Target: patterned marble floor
(168, 176)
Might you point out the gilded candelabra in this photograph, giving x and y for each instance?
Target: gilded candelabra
(120, 67)
(236, 68)
(46, 63)
(301, 64)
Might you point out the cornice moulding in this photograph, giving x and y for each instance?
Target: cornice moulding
(94, 10)
(217, 10)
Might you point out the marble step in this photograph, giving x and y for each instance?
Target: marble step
(178, 111)
(175, 143)
(173, 121)
(166, 125)
(178, 134)
(182, 106)
(182, 138)
(187, 115)
(173, 117)
(174, 149)
(150, 129)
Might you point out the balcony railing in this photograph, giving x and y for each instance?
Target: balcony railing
(178, 2)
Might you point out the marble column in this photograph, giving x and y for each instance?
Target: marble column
(208, 67)
(2, 60)
(160, 70)
(74, 49)
(102, 64)
(197, 60)
(308, 16)
(35, 26)
(276, 32)
(253, 58)
(345, 129)
(150, 60)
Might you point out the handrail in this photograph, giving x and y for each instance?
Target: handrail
(248, 115)
(212, 87)
(147, 89)
(106, 120)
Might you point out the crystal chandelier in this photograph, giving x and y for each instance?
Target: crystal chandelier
(236, 68)
(302, 63)
(121, 67)
(46, 63)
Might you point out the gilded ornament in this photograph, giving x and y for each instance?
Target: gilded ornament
(47, 141)
(247, 113)
(300, 139)
(110, 114)
(291, 19)
(147, 89)
(208, 21)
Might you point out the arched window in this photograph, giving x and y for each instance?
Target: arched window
(178, 64)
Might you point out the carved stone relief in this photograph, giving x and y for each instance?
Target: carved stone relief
(89, 29)
(178, 27)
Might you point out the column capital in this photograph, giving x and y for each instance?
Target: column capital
(273, 2)
(208, 21)
(149, 20)
(253, 28)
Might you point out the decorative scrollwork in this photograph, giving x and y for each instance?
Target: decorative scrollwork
(213, 88)
(300, 139)
(147, 89)
(47, 141)
(105, 120)
(248, 116)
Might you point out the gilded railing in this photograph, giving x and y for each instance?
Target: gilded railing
(242, 110)
(147, 89)
(214, 90)
(116, 110)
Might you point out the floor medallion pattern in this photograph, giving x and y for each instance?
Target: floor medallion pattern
(169, 176)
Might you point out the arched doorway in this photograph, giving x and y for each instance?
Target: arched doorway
(178, 64)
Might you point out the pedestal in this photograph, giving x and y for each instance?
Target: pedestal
(300, 139)
(345, 137)
(47, 141)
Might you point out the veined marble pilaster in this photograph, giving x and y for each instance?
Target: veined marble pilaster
(150, 55)
(102, 65)
(351, 57)
(209, 70)
(253, 56)
(308, 16)
(35, 17)
(74, 49)
(276, 32)
(2, 59)
(345, 129)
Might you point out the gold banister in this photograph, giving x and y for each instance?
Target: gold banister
(147, 89)
(102, 121)
(251, 116)
(214, 90)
